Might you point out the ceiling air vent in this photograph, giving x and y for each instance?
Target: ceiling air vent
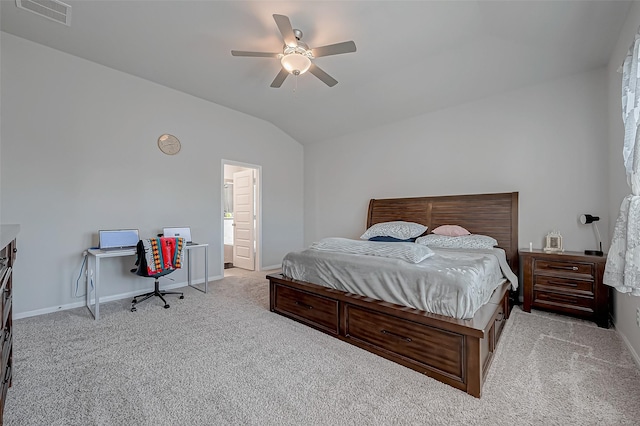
(50, 9)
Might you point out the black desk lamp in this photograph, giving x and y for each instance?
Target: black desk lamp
(585, 219)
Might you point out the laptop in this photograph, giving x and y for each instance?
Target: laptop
(118, 239)
(184, 232)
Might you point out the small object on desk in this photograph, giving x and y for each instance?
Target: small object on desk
(530, 246)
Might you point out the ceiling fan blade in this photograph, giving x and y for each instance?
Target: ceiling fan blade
(277, 82)
(323, 76)
(254, 54)
(334, 49)
(284, 25)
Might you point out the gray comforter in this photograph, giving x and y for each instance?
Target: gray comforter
(452, 282)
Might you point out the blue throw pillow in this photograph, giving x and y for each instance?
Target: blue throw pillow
(392, 239)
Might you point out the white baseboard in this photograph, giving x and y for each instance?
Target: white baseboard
(104, 299)
(269, 268)
(634, 354)
(44, 311)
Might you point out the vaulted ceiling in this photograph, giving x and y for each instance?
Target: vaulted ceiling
(413, 57)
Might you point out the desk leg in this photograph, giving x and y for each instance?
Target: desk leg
(189, 268)
(93, 272)
(96, 286)
(87, 293)
(206, 269)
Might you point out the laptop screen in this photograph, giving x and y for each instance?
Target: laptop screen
(184, 232)
(117, 238)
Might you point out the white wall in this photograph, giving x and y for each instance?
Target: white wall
(79, 154)
(547, 142)
(625, 306)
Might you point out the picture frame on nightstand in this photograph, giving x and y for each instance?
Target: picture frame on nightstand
(553, 242)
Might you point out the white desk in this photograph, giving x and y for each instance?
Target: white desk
(93, 265)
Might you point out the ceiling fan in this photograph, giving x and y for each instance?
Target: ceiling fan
(296, 56)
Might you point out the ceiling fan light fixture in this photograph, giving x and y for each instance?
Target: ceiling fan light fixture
(296, 63)
(296, 55)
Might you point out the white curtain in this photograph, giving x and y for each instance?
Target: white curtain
(623, 262)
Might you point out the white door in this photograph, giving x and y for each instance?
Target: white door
(243, 220)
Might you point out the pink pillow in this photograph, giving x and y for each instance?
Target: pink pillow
(451, 230)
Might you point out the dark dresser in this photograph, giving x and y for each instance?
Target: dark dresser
(8, 250)
(567, 282)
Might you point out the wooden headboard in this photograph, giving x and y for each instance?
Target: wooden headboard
(495, 215)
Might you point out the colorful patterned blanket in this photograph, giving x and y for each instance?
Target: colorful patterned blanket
(163, 253)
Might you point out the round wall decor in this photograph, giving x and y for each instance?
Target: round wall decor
(169, 144)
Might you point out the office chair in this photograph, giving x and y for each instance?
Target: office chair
(154, 246)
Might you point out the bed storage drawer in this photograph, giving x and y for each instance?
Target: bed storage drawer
(432, 348)
(308, 308)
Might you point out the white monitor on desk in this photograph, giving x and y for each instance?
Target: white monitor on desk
(184, 232)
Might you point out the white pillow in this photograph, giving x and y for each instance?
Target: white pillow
(473, 241)
(409, 252)
(396, 229)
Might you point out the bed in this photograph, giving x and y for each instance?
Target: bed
(455, 351)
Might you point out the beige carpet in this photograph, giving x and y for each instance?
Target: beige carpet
(222, 358)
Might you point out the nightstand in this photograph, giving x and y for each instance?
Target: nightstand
(568, 283)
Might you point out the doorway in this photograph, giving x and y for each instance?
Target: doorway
(241, 216)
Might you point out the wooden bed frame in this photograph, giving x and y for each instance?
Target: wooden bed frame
(454, 351)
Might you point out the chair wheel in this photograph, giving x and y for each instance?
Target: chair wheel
(181, 297)
(133, 309)
(166, 306)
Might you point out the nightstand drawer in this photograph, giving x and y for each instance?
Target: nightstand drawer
(561, 267)
(569, 302)
(544, 282)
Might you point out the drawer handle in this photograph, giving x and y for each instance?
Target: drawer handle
(500, 317)
(304, 305)
(564, 268)
(397, 336)
(565, 284)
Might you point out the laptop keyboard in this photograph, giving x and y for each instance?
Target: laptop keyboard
(118, 248)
